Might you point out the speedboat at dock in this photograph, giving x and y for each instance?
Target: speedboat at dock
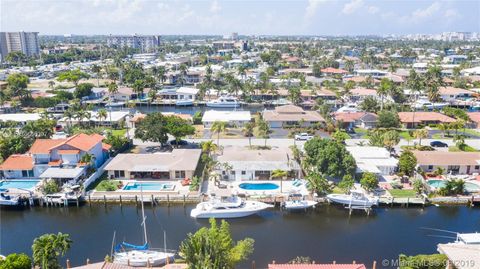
(355, 198)
(233, 207)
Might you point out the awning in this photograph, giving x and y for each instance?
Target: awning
(57, 172)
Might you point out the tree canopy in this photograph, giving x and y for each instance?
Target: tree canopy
(155, 127)
(213, 247)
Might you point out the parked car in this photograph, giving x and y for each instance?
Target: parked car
(438, 144)
(303, 136)
(179, 143)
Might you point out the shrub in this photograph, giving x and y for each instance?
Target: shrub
(16, 261)
(50, 187)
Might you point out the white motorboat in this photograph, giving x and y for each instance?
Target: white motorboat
(425, 104)
(143, 255)
(232, 207)
(184, 102)
(58, 108)
(355, 198)
(115, 104)
(9, 200)
(350, 107)
(298, 204)
(224, 102)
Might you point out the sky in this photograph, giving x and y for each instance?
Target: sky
(248, 17)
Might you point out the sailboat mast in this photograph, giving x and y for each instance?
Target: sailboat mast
(143, 217)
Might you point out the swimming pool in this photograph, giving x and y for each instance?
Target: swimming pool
(149, 186)
(469, 187)
(18, 184)
(258, 186)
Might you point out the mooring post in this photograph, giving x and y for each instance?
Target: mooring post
(153, 201)
(168, 199)
(253, 264)
(120, 200)
(184, 200)
(68, 264)
(104, 200)
(88, 261)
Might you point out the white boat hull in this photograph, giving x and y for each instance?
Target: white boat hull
(143, 258)
(250, 209)
(217, 105)
(12, 202)
(119, 104)
(184, 103)
(299, 205)
(347, 200)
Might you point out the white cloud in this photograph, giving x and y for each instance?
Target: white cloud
(215, 7)
(420, 15)
(311, 8)
(352, 6)
(373, 9)
(452, 14)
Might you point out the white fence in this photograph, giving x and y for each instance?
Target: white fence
(95, 175)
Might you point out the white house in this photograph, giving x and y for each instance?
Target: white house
(234, 118)
(289, 115)
(20, 118)
(451, 93)
(374, 160)
(112, 118)
(463, 163)
(182, 93)
(240, 163)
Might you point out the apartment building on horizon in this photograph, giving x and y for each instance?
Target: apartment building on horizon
(25, 42)
(146, 43)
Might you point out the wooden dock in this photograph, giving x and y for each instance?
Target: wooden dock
(406, 202)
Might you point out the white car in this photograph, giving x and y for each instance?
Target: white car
(303, 136)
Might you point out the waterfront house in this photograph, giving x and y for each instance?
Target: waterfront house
(19, 118)
(413, 119)
(463, 163)
(449, 94)
(330, 71)
(182, 93)
(474, 119)
(174, 165)
(350, 120)
(114, 118)
(139, 116)
(56, 158)
(240, 163)
(358, 94)
(291, 115)
(375, 160)
(235, 119)
(125, 94)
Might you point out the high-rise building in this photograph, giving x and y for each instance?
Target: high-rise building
(25, 42)
(146, 43)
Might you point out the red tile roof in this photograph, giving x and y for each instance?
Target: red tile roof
(106, 147)
(474, 116)
(84, 142)
(316, 266)
(43, 146)
(17, 162)
(55, 163)
(421, 116)
(332, 70)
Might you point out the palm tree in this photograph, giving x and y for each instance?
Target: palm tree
(219, 127)
(51, 84)
(102, 114)
(248, 129)
(384, 89)
(138, 87)
(420, 134)
(88, 159)
(281, 174)
(48, 248)
(209, 147)
(443, 127)
(97, 70)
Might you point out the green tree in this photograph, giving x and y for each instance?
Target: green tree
(152, 128)
(248, 131)
(328, 157)
(212, 248)
(388, 119)
(385, 87)
(418, 186)
(179, 128)
(17, 85)
(346, 183)
(407, 163)
(370, 104)
(262, 130)
(420, 134)
(433, 261)
(318, 183)
(82, 90)
(369, 181)
(48, 248)
(219, 127)
(16, 261)
(73, 76)
(98, 71)
(340, 136)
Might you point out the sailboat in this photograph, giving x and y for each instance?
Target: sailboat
(142, 255)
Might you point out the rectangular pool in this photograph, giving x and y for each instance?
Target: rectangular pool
(149, 186)
(18, 184)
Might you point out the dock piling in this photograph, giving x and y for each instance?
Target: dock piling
(68, 264)
(104, 200)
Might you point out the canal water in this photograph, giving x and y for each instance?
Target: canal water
(328, 233)
(144, 108)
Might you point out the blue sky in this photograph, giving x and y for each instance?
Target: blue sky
(287, 17)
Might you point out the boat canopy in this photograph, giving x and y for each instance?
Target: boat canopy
(125, 245)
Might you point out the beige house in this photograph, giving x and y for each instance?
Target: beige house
(175, 165)
(463, 163)
(290, 115)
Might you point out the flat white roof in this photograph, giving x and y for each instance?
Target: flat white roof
(470, 238)
(115, 116)
(20, 117)
(56, 172)
(217, 115)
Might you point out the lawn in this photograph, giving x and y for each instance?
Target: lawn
(120, 132)
(405, 135)
(465, 148)
(361, 131)
(108, 185)
(397, 193)
(472, 132)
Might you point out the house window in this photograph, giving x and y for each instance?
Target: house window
(244, 172)
(27, 173)
(232, 172)
(179, 174)
(477, 167)
(430, 167)
(119, 173)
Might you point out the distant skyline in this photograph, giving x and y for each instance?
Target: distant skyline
(248, 17)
